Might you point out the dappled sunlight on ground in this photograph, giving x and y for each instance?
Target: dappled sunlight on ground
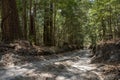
(68, 66)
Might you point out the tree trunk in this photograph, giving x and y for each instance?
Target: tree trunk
(25, 19)
(49, 25)
(10, 22)
(52, 24)
(46, 39)
(32, 31)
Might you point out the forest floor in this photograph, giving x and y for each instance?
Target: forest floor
(73, 65)
(66, 66)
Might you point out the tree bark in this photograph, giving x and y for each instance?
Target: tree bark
(32, 31)
(46, 38)
(10, 21)
(49, 24)
(25, 19)
(52, 24)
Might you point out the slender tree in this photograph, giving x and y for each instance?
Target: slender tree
(46, 38)
(32, 31)
(25, 18)
(52, 23)
(49, 25)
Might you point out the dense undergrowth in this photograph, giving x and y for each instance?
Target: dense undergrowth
(107, 52)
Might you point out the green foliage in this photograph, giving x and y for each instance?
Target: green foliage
(77, 21)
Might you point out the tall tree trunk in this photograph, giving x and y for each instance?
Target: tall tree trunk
(32, 31)
(52, 24)
(10, 22)
(49, 25)
(46, 38)
(25, 18)
(54, 20)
